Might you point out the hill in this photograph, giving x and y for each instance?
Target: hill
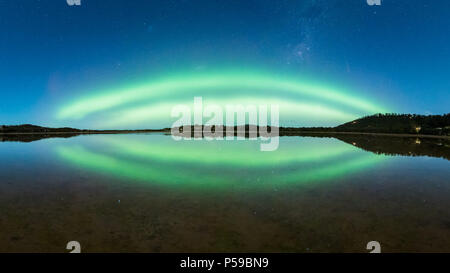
(29, 128)
(399, 124)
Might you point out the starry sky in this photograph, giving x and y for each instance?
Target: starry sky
(124, 64)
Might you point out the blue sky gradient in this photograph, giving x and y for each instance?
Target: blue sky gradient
(396, 54)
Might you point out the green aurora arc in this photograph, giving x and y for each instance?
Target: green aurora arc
(136, 105)
(158, 159)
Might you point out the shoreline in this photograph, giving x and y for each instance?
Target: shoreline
(282, 133)
(374, 134)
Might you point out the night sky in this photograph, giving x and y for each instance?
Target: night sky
(122, 64)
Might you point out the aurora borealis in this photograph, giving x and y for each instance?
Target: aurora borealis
(224, 126)
(151, 103)
(123, 65)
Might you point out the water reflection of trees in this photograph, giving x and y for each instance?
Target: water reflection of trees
(406, 146)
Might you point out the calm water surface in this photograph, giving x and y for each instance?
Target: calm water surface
(149, 193)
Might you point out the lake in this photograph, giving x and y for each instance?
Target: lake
(149, 193)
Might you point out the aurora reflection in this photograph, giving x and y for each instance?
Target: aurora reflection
(158, 159)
